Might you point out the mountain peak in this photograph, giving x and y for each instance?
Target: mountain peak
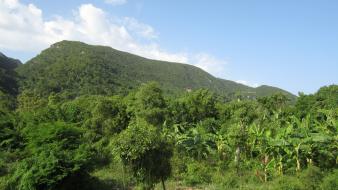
(2, 55)
(8, 63)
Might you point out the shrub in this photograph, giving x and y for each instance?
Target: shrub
(231, 180)
(56, 152)
(311, 178)
(197, 173)
(330, 182)
(288, 183)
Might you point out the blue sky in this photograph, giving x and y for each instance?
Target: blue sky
(291, 44)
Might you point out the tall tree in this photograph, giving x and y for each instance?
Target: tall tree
(142, 147)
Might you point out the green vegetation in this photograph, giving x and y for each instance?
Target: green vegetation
(8, 76)
(8, 81)
(144, 139)
(83, 129)
(75, 68)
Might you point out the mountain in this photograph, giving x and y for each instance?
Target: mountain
(8, 76)
(77, 68)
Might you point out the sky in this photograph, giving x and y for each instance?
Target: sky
(290, 44)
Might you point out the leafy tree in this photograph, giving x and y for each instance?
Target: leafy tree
(7, 102)
(195, 106)
(325, 98)
(10, 137)
(29, 101)
(55, 151)
(146, 151)
(274, 103)
(11, 144)
(111, 115)
(149, 104)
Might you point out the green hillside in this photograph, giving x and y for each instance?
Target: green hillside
(8, 76)
(76, 68)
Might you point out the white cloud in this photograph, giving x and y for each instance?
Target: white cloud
(24, 28)
(18, 23)
(116, 2)
(209, 63)
(143, 30)
(254, 85)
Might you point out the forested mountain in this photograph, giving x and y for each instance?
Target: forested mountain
(8, 81)
(8, 76)
(77, 69)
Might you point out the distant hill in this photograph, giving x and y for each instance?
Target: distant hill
(8, 76)
(77, 68)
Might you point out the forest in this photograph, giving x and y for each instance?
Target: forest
(148, 139)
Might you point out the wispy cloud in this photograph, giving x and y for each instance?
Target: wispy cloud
(141, 29)
(254, 85)
(209, 63)
(116, 2)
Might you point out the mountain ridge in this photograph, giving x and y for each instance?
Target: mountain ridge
(8, 76)
(72, 65)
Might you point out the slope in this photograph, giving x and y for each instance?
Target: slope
(77, 68)
(8, 76)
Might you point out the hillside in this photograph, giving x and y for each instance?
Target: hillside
(77, 68)
(8, 76)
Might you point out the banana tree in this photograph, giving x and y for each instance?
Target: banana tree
(263, 147)
(299, 139)
(196, 143)
(256, 136)
(222, 145)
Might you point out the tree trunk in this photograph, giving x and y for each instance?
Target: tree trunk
(266, 161)
(123, 180)
(163, 184)
(309, 161)
(237, 158)
(298, 165)
(280, 168)
(237, 154)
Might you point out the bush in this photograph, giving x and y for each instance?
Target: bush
(56, 152)
(288, 183)
(231, 180)
(330, 182)
(179, 165)
(311, 178)
(197, 173)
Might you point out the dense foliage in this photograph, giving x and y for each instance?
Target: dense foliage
(84, 117)
(147, 140)
(8, 76)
